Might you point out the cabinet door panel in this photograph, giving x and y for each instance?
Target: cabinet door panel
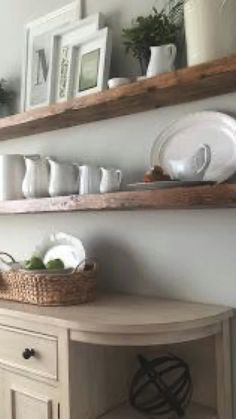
(26, 405)
(2, 416)
(25, 398)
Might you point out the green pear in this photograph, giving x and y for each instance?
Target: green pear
(55, 264)
(34, 264)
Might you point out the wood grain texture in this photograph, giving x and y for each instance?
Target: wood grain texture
(147, 339)
(122, 315)
(127, 412)
(99, 379)
(185, 85)
(198, 197)
(200, 357)
(224, 372)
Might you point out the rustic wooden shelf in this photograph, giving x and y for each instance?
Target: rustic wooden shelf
(217, 196)
(185, 85)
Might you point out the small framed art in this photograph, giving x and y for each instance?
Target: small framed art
(89, 70)
(64, 59)
(92, 60)
(38, 54)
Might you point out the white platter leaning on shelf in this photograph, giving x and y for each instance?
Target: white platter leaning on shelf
(184, 137)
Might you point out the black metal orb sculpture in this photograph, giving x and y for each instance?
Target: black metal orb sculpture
(161, 386)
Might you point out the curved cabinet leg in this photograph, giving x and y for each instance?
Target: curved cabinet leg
(224, 372)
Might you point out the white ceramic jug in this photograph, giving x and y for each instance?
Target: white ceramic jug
(12, 171)
(192, 168)
(210, 29)
(64, 178)
(36, 180)
(162, 59)
(90, 178)
(111, 180)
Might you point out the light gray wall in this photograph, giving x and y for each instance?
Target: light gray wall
(183, 254)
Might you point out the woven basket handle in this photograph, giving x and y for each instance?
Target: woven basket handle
(92, 261)
(7, 255)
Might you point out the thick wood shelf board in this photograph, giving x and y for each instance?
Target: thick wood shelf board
(195, 411)
(218, 196)
(185, 85)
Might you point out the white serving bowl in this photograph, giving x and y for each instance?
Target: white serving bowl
(118, 81)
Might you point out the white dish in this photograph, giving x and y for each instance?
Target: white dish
(166, 184)
(140, 78)
(184, 137)
(61, 246)
(118, 81)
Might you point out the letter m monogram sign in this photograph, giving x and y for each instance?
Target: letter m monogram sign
(41, 61)
(42, 68)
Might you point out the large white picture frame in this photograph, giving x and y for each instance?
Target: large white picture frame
(63, 62)
(38, 55)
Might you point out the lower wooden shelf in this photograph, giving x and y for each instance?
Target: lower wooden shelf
(195, 411)
(217, 196)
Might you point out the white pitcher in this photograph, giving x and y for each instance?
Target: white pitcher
(64, 178)
(162, 59)
(36, 180)
(12, 171)
(90, 178)
(111, 180)
(192, 168)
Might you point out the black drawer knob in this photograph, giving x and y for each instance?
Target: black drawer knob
(28, 353)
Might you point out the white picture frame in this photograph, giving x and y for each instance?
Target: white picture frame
(39, 34)
(92, 60)
(63, 63)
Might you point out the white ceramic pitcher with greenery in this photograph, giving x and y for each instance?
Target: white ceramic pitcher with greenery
(210, 29)
(162, 59)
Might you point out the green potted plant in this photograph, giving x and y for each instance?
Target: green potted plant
(159, 28)
(6, 98)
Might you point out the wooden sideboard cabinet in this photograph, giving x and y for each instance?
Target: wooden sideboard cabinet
(77, 362)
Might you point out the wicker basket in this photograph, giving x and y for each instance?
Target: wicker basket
(50, 289)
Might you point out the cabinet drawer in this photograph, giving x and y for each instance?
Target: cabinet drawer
(15, 351)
